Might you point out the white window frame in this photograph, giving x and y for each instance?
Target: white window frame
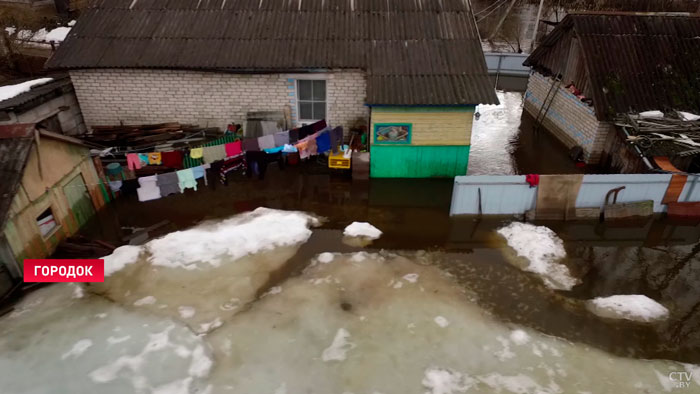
(296, 85)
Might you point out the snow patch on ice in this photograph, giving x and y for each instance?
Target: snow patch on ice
(521, 384)
(441, 321)
(273, 290)
(337, 351)
(10, 91)
(282, 389)
(148, 300)
(519, 337)
(543, 249)
(362, 229)
(325, 257)
(201, 363)
(115, 340)
(241, 235)
(120, 257)
(181, 386)
(413, 278)
(186, 311)
(78, 291)
(78, 348)
(634, 307)
(443, 381)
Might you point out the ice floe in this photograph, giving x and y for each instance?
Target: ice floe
(362, 229)
(634, 307)
(543, 250)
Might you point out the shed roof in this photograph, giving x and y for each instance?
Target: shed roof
(16, 141)
(60, 84)
(635, 61)
(416, 52)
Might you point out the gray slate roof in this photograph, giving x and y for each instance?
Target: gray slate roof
(635, 62)
(416, 52)
(16, 142)
(39, 93)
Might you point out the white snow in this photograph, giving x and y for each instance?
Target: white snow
(441, 321)
(78, 291)
(201, 363)
(362, 229)
(543, 249)
(57, 35)
(519, 337)
(241, 235)
(78, 348)
(325, 257)
(413, 278)
(443, 381)
(10, 91)
(634, 307)
(120, 257)
(687, 116)
(71, 23)
(651, 114)
(186, 311)
(337, 351)
(148, 300)
(115, 340)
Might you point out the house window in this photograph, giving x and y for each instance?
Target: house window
(392, 133)
(46, 222)
(311, 96)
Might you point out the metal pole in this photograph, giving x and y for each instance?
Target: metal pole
(537, 25)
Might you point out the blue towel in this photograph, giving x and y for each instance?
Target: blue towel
(199, 172)
(323, 142)
(274, 150)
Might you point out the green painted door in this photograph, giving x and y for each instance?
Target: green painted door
(79, 200)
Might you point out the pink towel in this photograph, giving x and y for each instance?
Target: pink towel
(233, 148)
(133, 161)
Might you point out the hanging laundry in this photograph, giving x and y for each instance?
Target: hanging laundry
(186, 179)
(114, 186)
(200, 172)
(303, 148)
(281, 138)
(232, 164)
(196, 153)
(233, 148)
(274, 150)
(251, 144)
(318, 126)
(266, 142)
(149, 189)
(532, 179)
(336, 138)
(132, 161)
(305, 131)
(211, 154)
(144, 159)
(154, 158)
(172, 159)
(260, 160)
(129, 186)
(323, 142)
(293, 136)
(168, 184)
(289, 149)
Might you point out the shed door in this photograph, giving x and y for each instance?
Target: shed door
(79, 200)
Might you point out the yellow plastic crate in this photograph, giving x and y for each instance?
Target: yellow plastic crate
(337, 161)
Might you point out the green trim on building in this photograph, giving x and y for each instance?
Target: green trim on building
(418, 161)
(469, 108)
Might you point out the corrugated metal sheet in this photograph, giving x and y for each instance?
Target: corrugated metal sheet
(635, 62)
(500, 195)
(15, 143)
(430, 49)
(511, 194)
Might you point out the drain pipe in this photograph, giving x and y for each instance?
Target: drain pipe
(644, 158)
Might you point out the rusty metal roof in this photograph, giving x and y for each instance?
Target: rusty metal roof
(402, 44)
(635, 61)
(16, 141)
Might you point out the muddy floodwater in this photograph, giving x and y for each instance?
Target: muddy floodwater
(233, 298)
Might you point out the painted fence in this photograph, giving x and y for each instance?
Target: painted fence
(510, 194)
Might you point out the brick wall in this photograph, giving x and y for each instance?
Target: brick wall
(570, 120)
(205, 98)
